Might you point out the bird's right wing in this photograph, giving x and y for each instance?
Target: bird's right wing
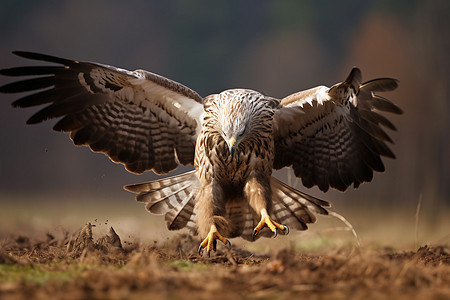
(334, 137)
(137, 118)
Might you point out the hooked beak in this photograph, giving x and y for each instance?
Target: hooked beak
(232, 145)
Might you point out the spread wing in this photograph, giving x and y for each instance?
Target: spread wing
(137, 118)
(334, 137)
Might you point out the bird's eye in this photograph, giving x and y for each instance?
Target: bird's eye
(242, 131)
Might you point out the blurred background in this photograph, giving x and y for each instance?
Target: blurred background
(276, 47)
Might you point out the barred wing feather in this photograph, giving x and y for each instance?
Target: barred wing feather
(334, 137)
(137, 118)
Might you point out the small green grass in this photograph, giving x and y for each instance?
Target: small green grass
(33, 274)
(184, 265)
(313, 245)
(41, 274)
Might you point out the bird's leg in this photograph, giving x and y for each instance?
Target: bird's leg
(210, 210)
(210, 241)
(259, 195)
(266, 220)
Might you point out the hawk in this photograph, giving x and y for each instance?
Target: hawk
(330, 137)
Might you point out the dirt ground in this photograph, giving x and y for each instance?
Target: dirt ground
(81, 266)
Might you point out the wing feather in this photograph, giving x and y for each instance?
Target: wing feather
(333, 137)
(140, 119)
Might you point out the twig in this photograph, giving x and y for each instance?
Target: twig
(289, 177)
(292, 180)
(349, 225)
(419, 204)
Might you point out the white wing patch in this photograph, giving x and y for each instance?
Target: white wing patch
(319, 94)
(174, 103)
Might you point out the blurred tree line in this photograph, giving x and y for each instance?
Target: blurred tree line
(277, 47)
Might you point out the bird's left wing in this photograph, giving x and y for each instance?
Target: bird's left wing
(333, 137)
(137, 118)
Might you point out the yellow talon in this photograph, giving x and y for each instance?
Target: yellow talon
(210, 242)
(266, 220)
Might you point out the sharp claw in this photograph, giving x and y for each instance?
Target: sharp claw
(254, 234)
(210, 242)
(228, 244)
(286, 229)
(275, 233)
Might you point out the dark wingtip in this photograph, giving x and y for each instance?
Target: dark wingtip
(383, 84)
(393, 84)
(354, 78)
(16, 103)
(42, 57)
(5, 72)
(396, 81)
(25, 54)
(355, 75)
(18, 52)
(355, 72)
(33, 120)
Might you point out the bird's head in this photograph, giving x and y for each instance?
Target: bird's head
(243, 113)
(234, 130)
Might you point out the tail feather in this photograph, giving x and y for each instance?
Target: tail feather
(294, 208)
(183, 215)
(175, 198)
(165, 200)
(172, 196)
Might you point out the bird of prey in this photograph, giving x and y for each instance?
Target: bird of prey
(331, 137)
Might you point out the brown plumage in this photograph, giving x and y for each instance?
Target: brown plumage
(331, 137)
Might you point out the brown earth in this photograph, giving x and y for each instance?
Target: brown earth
(77, 266)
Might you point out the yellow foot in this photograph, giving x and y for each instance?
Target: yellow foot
(210, 242)
(267, 221)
